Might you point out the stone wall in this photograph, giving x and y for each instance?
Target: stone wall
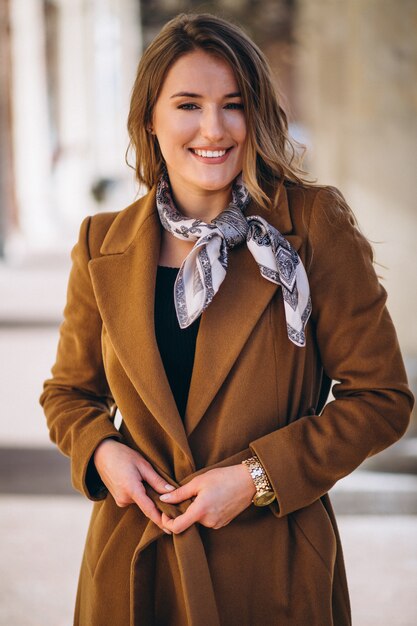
(357, 98)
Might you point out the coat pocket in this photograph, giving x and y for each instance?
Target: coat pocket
(317, 529)
(113, 535)
(105, 519)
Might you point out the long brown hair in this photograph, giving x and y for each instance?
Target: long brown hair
(270, 155)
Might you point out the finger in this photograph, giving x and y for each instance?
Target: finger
(222, 524)
(187, 491)
(165, 520)
(146, 505)
(184, 521)
(153, 478)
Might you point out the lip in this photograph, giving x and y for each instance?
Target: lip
(211, 160)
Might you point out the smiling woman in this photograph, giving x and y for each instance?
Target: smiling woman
(214, 313)
(201, 132)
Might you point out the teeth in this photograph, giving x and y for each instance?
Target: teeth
(210, 153)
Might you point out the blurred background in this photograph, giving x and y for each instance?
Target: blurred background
(347, 72)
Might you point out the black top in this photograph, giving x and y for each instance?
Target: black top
(176, 345)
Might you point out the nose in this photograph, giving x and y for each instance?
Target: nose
(212, 124)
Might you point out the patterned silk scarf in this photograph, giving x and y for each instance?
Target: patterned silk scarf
(204, 268)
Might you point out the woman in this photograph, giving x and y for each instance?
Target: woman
(213, 313)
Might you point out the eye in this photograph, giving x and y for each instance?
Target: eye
(188, 106)
(234, 106)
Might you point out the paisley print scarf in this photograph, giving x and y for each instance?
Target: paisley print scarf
(204, 268)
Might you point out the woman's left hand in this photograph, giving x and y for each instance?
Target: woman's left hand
(219, 496)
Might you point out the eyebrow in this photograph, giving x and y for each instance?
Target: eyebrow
(188, 94)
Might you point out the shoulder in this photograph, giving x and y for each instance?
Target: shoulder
(326, 223)
(93, 230)
(98, 227)
(113, 231)
(309, 202)
(320, 212)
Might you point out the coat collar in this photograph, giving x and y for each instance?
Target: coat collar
(124, 228)
(124, 283)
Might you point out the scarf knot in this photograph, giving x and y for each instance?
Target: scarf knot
(233, 225)
(204, 269)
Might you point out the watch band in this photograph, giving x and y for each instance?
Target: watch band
(264, 493)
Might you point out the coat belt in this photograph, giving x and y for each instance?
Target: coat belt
(196, 581)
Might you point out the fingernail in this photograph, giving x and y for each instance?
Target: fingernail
(169, 487)
(168, 532)
(165, 496)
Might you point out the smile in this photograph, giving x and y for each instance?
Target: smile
(211, 154)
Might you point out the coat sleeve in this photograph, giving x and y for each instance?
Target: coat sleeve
(77, 401)
(359, 351)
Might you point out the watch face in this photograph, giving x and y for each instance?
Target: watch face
(264, 498)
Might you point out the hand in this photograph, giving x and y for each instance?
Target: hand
(220, 495)
(123, 471)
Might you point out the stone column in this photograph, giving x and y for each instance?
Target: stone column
(115, 55)
(32, 158)
(75, 111)
(99, 48)
(357, 78)
(8, 209)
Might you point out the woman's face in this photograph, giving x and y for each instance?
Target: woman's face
(200, 124)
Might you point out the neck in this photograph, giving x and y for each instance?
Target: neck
(204, 205)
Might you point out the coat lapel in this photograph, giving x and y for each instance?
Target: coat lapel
(229, 320)
(124, 284)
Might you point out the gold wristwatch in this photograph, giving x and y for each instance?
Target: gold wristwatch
(264, 493)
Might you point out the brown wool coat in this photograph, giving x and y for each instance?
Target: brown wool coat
(252, 390)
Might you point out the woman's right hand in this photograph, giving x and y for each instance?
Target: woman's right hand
(123, 471)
